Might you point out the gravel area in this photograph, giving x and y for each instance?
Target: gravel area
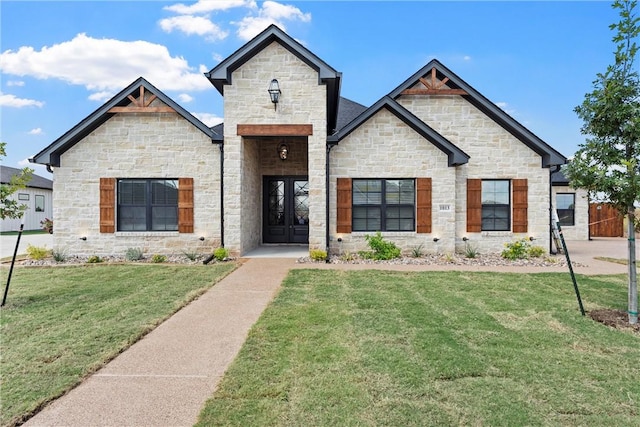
(78, 260)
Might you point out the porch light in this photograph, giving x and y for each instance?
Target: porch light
(283, 151)
(274, 92)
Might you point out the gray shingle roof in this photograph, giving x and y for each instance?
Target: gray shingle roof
(37, 181)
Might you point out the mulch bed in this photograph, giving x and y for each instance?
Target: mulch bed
(617, 319)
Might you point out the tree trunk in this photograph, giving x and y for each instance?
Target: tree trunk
(633, 278)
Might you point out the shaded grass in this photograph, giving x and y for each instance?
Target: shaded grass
(455, 348)
(61, 324)
(614, 260)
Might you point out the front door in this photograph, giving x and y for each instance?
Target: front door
(286, 209)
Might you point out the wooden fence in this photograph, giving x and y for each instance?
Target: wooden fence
(605, 221)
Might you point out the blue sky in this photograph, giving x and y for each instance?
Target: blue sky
(60, 61)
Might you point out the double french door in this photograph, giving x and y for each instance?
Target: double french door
(286, 209)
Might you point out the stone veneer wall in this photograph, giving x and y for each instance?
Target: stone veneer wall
(495, 154)
(580, 229)
(140, 145)
(384, 147)
(246, 101)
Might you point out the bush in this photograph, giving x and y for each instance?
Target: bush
(318, 255)
(59, 255)
(47, 225)
(380, 248)
(537, 251)
(516, 250)
(470, 251)
(191, 256)
(157, 258)
(37, 252)
(133, 254)
(221, 254)
(94, 259)
(417, 252)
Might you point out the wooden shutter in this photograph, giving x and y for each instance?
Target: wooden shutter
(520, 197)
(423, 205)
(185, 205)
(343, 220)
(474, 205)
(107, 205)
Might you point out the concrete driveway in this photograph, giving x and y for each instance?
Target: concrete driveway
(8, 243)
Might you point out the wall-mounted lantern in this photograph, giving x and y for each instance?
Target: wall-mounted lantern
(283, 151)
(274, 93)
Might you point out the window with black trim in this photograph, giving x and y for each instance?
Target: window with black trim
(23, 196)
(39, 203)
(565, 206)
(147, 204)
(496, 206)
(383, 205)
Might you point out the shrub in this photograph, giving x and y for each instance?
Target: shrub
(516, 250)
(59, 255)
(47, 225)
(348, 256)
(157, 258)
(191, 256)
(536, 251)
(94, 259)
(133, 254)
(380, 248)
(221, 254)
(37, 252)
(318, 254)
(416, 251)
(470, 251)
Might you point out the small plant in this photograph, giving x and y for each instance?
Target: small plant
(59, 255)
(470, 251)
(417, 252)
(133, 254)
(448, 257)
(318, 254)
(157, 258)
(348, 256)
(536, 251)
(221, 254)
(380, 248)
(47, 225)
(191, 256)
(94, 259)
(37, 252)
(516, 250)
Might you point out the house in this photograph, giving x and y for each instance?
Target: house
(36, 196)
(572, 206)
(433, 163)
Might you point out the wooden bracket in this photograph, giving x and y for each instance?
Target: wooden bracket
(142, 105)
(434, 87)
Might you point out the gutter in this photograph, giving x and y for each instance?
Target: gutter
(551, 172)
(330, 145)
(221, 144)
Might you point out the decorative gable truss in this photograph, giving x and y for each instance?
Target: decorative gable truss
(142, 105)
(434, 86)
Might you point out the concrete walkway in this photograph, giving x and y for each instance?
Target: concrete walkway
(164, 379)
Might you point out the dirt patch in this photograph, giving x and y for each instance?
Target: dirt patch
(614, 319)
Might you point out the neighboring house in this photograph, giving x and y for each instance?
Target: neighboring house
(572, 207)
(433, 163)
(37, 196)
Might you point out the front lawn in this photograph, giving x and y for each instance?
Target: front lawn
(61, 324)
(372, 348)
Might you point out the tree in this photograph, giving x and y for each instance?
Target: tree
(10, 208)
(608, 163)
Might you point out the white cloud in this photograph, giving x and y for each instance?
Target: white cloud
(208, 118)
(191, 25)
(15, 83)
(206, 6)
(101, 96)
(270, 13)
(15, 102)
(185, 98)
(106, 64)
(466, 58)
(505, 107)
(36, 131)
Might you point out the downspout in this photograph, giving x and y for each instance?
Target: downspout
(222, 194)
(551, 172)
(326, 185)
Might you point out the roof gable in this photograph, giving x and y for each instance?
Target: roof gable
(434, 71)
(454, 154)
(130, 99)
(221, 74)
(37, 181)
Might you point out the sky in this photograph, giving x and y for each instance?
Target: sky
(62, 60)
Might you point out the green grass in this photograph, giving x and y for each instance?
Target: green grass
(614, 260)
(24, 232)
(61, 324)
(373, 348)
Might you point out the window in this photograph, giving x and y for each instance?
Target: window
(495, 205)
(39, 203)
(383, 205)
(23, 196)
(147, 205)
(565, 206)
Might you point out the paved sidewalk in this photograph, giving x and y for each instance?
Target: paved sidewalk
(164, 379)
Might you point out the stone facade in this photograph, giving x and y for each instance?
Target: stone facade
(136, 145)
